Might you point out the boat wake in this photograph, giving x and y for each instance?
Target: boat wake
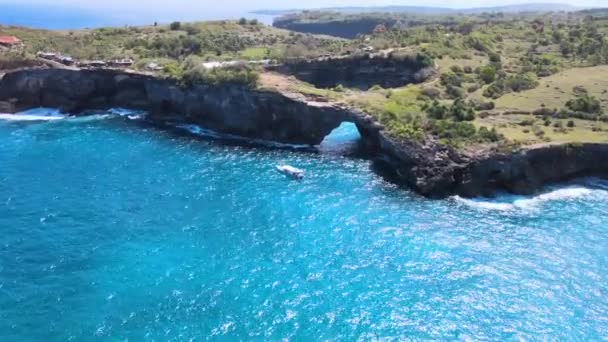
(589, 189)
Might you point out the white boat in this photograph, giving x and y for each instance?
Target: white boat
(291, 171)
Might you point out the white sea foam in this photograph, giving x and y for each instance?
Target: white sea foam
(131, 114)
(35, 114)
(24, 117)
(198, 130)
(194, 129)
(563, 194)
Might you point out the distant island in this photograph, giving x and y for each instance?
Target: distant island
(466, 102)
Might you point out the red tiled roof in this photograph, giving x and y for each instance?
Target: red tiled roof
(9, 40)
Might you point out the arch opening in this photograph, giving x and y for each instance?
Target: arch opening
(344, 139)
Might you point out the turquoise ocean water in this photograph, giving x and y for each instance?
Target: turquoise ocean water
(111, 230)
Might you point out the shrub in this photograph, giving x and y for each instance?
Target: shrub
(488, 135)
(526, 122)
(544, 111)
(585, 103)
(478, 42)
(521, 82)
(456, 69)
(195, 73)
(451, 79)
(494, 57)
(451, 131)
(437, 111)
(339, 88)
(455, 92)
(191, 30)
(570, 123)
(487, 74)
(495, 90)
(480, 105)
(175, 26)
(424, 59)
(173, 70)
(460, 111)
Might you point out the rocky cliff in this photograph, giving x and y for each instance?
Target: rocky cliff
(437, 171)
(361, 72)
(429, 168)
(230, 108)
(339, 28)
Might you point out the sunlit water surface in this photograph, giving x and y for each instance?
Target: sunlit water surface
(113, 230)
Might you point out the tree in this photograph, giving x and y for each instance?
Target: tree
(243, 21)
(175, 26)
(521, 82)
(586, 104)
(566, 48)
(487, 74)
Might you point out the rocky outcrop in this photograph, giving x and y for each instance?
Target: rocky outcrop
(361, 72)
(231, 108)
(343, 28)
(437, 171)
(431, 169)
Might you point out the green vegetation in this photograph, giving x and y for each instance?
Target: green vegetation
(220, 40)
(193, 72)
(585, 104)
(501, 78)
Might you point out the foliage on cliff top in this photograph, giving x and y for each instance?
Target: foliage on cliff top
(218, 40)
(193, 72)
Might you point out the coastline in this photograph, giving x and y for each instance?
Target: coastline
(429, 168)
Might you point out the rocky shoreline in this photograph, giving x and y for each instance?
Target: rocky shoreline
(430, 169)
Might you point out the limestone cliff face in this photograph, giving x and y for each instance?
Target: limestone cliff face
(437, 171)
(361, 72)
(429, 168)
(339, 28)
(230, 108)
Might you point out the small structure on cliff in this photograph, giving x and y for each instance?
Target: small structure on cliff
(10, 41)
(121, 63)
(57, 57)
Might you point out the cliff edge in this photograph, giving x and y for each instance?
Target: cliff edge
(427, 167)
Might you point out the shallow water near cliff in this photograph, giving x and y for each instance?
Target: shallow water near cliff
(112, 230)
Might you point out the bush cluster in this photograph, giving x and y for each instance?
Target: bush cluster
(195, 73)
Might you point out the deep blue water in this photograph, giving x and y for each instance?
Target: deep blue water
(113, 230)
(63, 17)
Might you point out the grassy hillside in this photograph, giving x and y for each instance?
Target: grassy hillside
(530, 78)
(211, 40)
(502, 78)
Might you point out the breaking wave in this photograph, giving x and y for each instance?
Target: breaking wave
(50, 114)
(36, 114)
(590, 189)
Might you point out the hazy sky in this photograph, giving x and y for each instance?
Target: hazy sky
(226, 5)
